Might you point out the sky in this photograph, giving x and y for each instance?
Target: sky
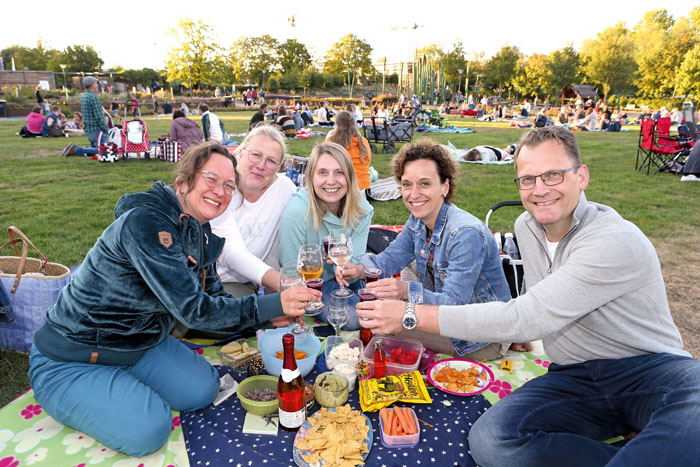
(136, 35)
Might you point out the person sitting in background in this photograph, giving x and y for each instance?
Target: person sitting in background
(52, 120)
(167, 108)
(185, 109)
(286, 123)
(456, 256)
(104, 357)
(323, 116)
(184, 131)
(34, 122)
(212, 125)
(347, 135)
(676, 116)
(330, 201)
(588, 123)
(257, 117)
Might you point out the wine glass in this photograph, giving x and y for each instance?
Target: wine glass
(338, 315)
(310, 266)
(340, 252)
(289, 277)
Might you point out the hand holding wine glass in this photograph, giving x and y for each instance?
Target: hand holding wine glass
(340, 252)
(310, 266)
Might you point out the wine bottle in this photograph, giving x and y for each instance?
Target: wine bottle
(290, 389)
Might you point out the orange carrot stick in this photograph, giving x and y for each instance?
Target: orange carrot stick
(382, 413)
(409, 420)
(397, 423)
(402, 419)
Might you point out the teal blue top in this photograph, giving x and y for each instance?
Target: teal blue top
(296, 228)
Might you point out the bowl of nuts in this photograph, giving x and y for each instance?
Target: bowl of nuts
(258, 394)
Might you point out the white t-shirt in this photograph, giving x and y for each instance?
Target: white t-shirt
(251, 231)
(551, 248)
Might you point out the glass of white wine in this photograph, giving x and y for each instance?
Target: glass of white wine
(340, 252)
(338, 315)
(290, 277)
(310, 266)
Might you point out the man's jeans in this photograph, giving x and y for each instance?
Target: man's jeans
(92, 150)
(563, 417)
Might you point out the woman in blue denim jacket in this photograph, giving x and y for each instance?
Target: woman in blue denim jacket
(457, 259)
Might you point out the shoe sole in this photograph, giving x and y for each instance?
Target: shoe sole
(67, 150)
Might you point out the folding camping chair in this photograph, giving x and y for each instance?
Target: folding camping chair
(646, 142)
(671, 150)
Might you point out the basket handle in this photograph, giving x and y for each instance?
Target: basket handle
(11, 231)
(22, 261)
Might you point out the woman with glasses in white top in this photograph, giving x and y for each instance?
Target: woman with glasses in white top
(251, 222)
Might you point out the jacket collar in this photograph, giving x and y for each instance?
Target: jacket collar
(417, 225)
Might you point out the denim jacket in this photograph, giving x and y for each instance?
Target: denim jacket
(465, 260)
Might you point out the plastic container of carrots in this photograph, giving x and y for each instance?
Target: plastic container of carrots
(399, 427)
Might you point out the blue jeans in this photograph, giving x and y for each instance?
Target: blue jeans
(328, 288)
(127, 408)
(563, 417)
(92, 150)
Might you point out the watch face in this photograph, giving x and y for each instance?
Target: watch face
(409, 322)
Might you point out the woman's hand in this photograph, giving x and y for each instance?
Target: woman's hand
(295, 299)
(389, 289)
(521, 346)
(381, 316)
(349, 272)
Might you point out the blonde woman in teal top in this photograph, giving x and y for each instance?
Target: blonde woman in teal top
(329, 201)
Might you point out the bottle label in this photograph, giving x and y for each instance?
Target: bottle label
(292, 419)
(289, 375)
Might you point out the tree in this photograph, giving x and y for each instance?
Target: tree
(532, 79)
(349, 55)
(196, 45)
(501, 69)
(250, 56)
(563, 69)
(32, 58)
(452, 62)
(651, 37)
(78, 58)
(610, 60)
(689, 73)
(293, 55)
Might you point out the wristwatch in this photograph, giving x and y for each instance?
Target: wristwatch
(409, 320)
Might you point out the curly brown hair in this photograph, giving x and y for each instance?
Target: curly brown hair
(429, 150)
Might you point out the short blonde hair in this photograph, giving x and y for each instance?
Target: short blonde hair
(271, 132)
(351, 209)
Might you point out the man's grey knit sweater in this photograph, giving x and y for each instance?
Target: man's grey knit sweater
(601, 297)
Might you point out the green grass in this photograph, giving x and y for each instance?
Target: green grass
(64, 204)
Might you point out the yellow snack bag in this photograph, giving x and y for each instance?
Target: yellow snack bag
(406, 387)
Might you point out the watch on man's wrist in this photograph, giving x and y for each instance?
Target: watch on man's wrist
(409, 320)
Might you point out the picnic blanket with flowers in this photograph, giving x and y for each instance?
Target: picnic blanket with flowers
(29, 436)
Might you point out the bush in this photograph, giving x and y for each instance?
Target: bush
(289, 80)
(272, 84)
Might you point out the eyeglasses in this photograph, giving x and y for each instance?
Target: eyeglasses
(551, 178)
(214, 181)
(255, 157)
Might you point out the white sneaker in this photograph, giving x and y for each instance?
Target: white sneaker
(690, 178)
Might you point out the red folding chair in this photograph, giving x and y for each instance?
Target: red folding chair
(670, 151)
(645, 147)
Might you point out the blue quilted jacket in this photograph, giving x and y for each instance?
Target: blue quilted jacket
(152, 265)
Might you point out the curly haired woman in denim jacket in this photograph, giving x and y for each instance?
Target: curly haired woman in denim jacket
(456, 256)
(104, 362)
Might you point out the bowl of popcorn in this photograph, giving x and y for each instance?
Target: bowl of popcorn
(238, 355)
(258, 394)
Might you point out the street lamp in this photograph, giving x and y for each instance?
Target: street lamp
(263, 79)
(189, 72)
(459, 83)
(63, 67)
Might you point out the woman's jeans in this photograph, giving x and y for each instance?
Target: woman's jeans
(127, 408)
(563, 417)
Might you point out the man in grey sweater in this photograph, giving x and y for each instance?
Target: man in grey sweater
(596, 296)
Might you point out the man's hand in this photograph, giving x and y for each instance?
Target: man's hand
(383, 316)
(521, 346)
(349, 272)
(389, 289)
(282, 321)
(294, 300)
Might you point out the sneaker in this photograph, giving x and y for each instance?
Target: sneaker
(690, 178)
(68, 150)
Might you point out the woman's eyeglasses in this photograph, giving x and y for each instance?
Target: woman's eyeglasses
(255, 157)
(213, 181)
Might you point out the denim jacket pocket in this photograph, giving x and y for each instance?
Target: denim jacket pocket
(440, 276)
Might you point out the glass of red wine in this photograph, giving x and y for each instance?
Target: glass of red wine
(365, 295)
(372, 275)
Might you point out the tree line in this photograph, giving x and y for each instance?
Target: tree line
(657, 58)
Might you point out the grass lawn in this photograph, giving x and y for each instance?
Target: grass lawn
(64, 204)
